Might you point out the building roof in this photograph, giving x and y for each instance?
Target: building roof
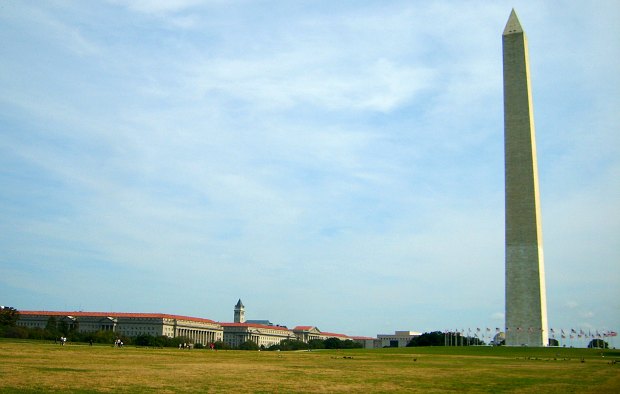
(239, 304)
(117, 314)
(334, 335)
(304, 328)
(255, 325)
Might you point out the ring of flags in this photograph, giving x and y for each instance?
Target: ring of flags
(485, 334)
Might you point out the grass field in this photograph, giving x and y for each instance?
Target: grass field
(27, 366)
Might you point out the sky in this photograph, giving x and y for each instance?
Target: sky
(335, 164)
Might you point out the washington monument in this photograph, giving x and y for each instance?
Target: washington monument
(526, 299)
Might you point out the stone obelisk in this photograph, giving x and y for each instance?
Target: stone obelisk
(526, 300)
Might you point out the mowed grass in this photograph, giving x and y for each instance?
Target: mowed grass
(28, 366)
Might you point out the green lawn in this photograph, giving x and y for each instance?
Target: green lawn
(29, 366)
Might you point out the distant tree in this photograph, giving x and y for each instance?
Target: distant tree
(349, 344)
(474, 341)
(176, 341)
(248, 345)
(101, 336)
(16, 332)
(161, 341)
(316, 344)
(598, 343)
(52, 326)
(38, 333)
(435, 338)
(332, 343)
(63, 327)
(8, 316)
(293, 344)
(144, 340)
(220, 345)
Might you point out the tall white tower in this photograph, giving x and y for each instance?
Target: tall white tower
(526, 300)
(239, 312)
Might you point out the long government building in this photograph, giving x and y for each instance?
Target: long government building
(196, 330)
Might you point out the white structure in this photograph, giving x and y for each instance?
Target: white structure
(398, 339)
(367, 342)
(237, 333)
(307, 333)
(239, 312)
(526, 299)
(197, 330)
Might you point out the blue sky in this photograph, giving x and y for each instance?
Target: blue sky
(337, 164)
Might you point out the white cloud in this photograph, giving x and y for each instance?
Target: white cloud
(160, 6)
(300, 149)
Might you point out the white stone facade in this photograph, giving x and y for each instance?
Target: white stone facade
(526, 302)
(398, 339)
(197, 330)
(307, 333)
(237, 333)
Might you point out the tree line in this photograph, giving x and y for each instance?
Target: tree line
(438, 338)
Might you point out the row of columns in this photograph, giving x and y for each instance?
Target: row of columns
(198, 336)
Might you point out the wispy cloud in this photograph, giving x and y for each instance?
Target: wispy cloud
(307, 150)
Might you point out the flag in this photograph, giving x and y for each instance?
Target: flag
(613, 334)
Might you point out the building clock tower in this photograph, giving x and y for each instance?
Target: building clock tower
(239, 312)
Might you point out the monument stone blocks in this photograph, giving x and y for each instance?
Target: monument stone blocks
(526, 305)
